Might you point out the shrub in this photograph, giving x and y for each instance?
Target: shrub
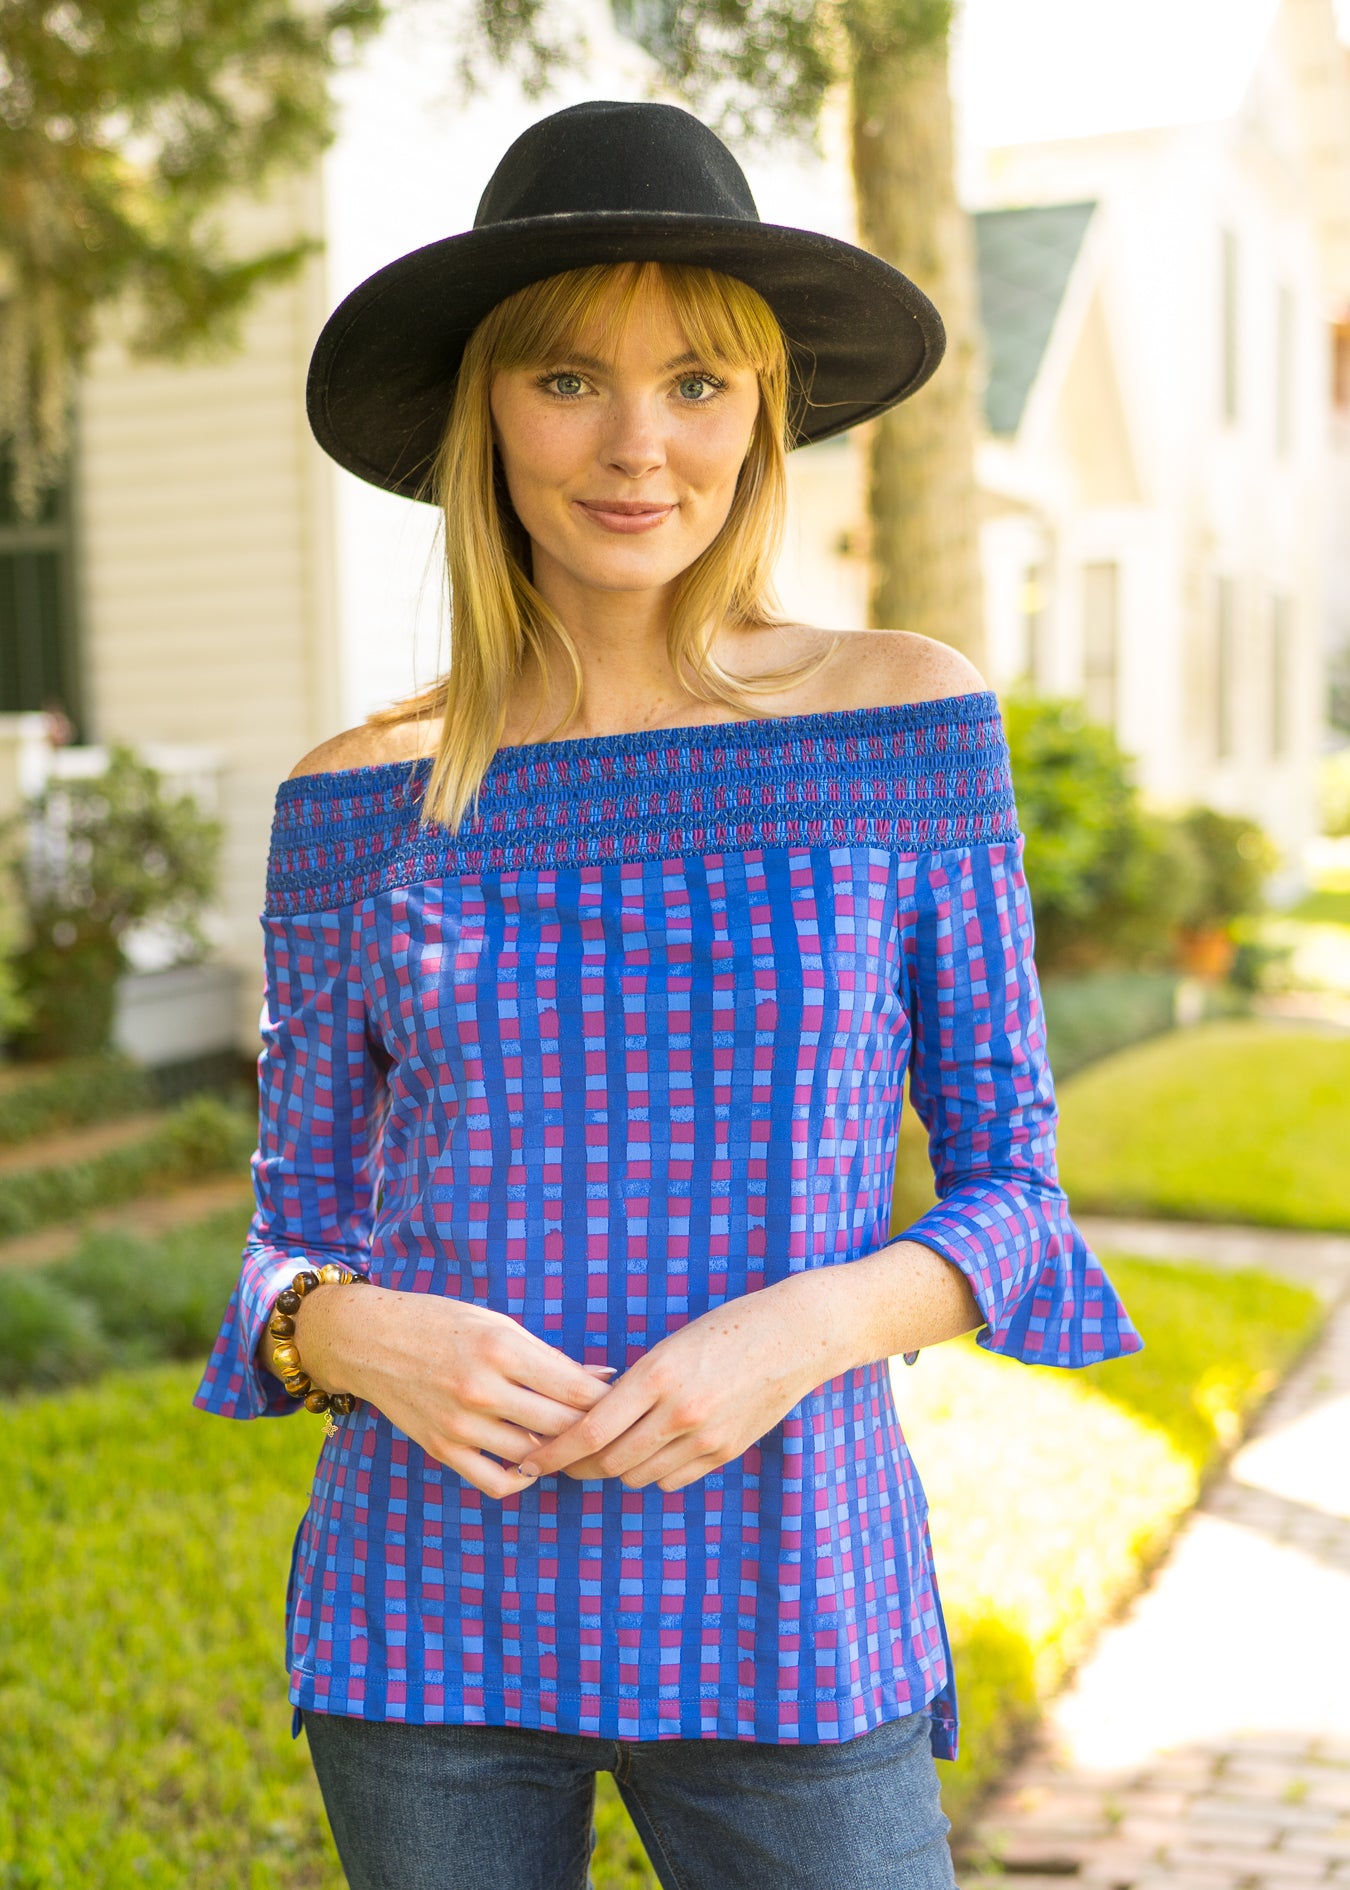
(203, 1137)
(75, 1092)
(93, 858)
(1233, 859)
(1109, 881)
(47, 1336)
(118, 1300)
(1093, 1016)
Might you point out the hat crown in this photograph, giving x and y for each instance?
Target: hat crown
(608, 155)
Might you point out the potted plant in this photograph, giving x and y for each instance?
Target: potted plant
(92, 859)
(1234, 858)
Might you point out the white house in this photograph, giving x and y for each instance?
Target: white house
(1166, 483)
(1161, 452)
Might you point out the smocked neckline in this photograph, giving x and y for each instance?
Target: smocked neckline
(973, 704)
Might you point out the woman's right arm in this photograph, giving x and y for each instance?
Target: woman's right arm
(457, 1378)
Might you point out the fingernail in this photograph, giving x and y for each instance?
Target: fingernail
(526, 1470)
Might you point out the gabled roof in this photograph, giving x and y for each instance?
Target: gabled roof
(1024, 260)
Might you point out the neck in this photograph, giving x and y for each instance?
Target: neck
(626, 676)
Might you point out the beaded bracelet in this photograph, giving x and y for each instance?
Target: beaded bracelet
(286, 1357)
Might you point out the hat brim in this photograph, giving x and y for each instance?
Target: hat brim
(862, 336)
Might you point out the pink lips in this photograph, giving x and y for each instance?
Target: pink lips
(625, 515)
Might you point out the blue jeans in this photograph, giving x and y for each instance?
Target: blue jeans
(498, 1808)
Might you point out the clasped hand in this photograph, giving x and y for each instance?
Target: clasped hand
(702, 1396)
(500, 1406)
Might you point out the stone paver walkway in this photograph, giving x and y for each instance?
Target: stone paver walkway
(1205, 1745)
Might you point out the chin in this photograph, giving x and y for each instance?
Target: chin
(629, 573)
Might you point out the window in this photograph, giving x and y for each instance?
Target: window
(1033, 661)
(1228, 341)
(1284, 371)
(1225, 669)
(1101, 612)
(1282, 658)
(38, 655)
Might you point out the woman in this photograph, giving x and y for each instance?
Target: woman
(594, 976)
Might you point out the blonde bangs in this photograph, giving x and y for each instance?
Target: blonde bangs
(497, 617)
(721, 319)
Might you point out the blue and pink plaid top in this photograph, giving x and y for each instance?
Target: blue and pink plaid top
(634, 1043)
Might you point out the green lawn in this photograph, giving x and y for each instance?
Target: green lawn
(144, 1737)
(1241, 1121)
(1323, 906)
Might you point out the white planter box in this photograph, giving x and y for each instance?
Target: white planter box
(167, 1016)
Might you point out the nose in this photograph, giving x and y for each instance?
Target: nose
(634, 442)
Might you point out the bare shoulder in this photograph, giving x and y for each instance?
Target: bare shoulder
(372, 745)
(886, 667)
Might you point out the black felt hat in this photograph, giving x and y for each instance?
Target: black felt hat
(600, 183)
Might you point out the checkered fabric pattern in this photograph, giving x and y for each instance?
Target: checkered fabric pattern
(632, 1044)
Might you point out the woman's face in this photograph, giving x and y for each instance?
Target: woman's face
(621, 457)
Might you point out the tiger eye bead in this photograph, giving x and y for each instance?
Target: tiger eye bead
(286, 1358)
(288, 1302)
(280, 1326)
(298, 1383)
(343, 1403)
(305, 1283)
(316, 1401)
(333, 1274)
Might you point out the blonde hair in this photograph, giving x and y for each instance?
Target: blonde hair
(496, 614)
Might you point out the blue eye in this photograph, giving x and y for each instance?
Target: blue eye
(695, 387)
(568, 385)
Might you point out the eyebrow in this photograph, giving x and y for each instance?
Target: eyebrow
(687, 359)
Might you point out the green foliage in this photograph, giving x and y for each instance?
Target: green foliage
(1108, 881)
(69, 1095)
(93, 859)
(118, 1301)
(14, 1013)
(1216, 1345)
(1327, 907)
(1052, 1492)
(1334, 783)
(203, 1137)
(127, 126)
(144, 1733)
(1233, 859)
(1111, 882)
(757, 69)
(47, 1337)
(1090, 1017)
(1240, 1121)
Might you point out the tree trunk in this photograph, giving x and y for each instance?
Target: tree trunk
(922, 501)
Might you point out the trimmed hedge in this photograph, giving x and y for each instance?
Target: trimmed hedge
(70, 1096)
(118, 1301)
(203, 1137)
(1093, 1016)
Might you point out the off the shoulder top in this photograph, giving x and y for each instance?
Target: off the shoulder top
(635, 1042)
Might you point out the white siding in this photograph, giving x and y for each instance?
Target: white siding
(205, 563)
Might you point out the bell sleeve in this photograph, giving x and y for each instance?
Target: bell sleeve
(322, 1097)
(980, 1082)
